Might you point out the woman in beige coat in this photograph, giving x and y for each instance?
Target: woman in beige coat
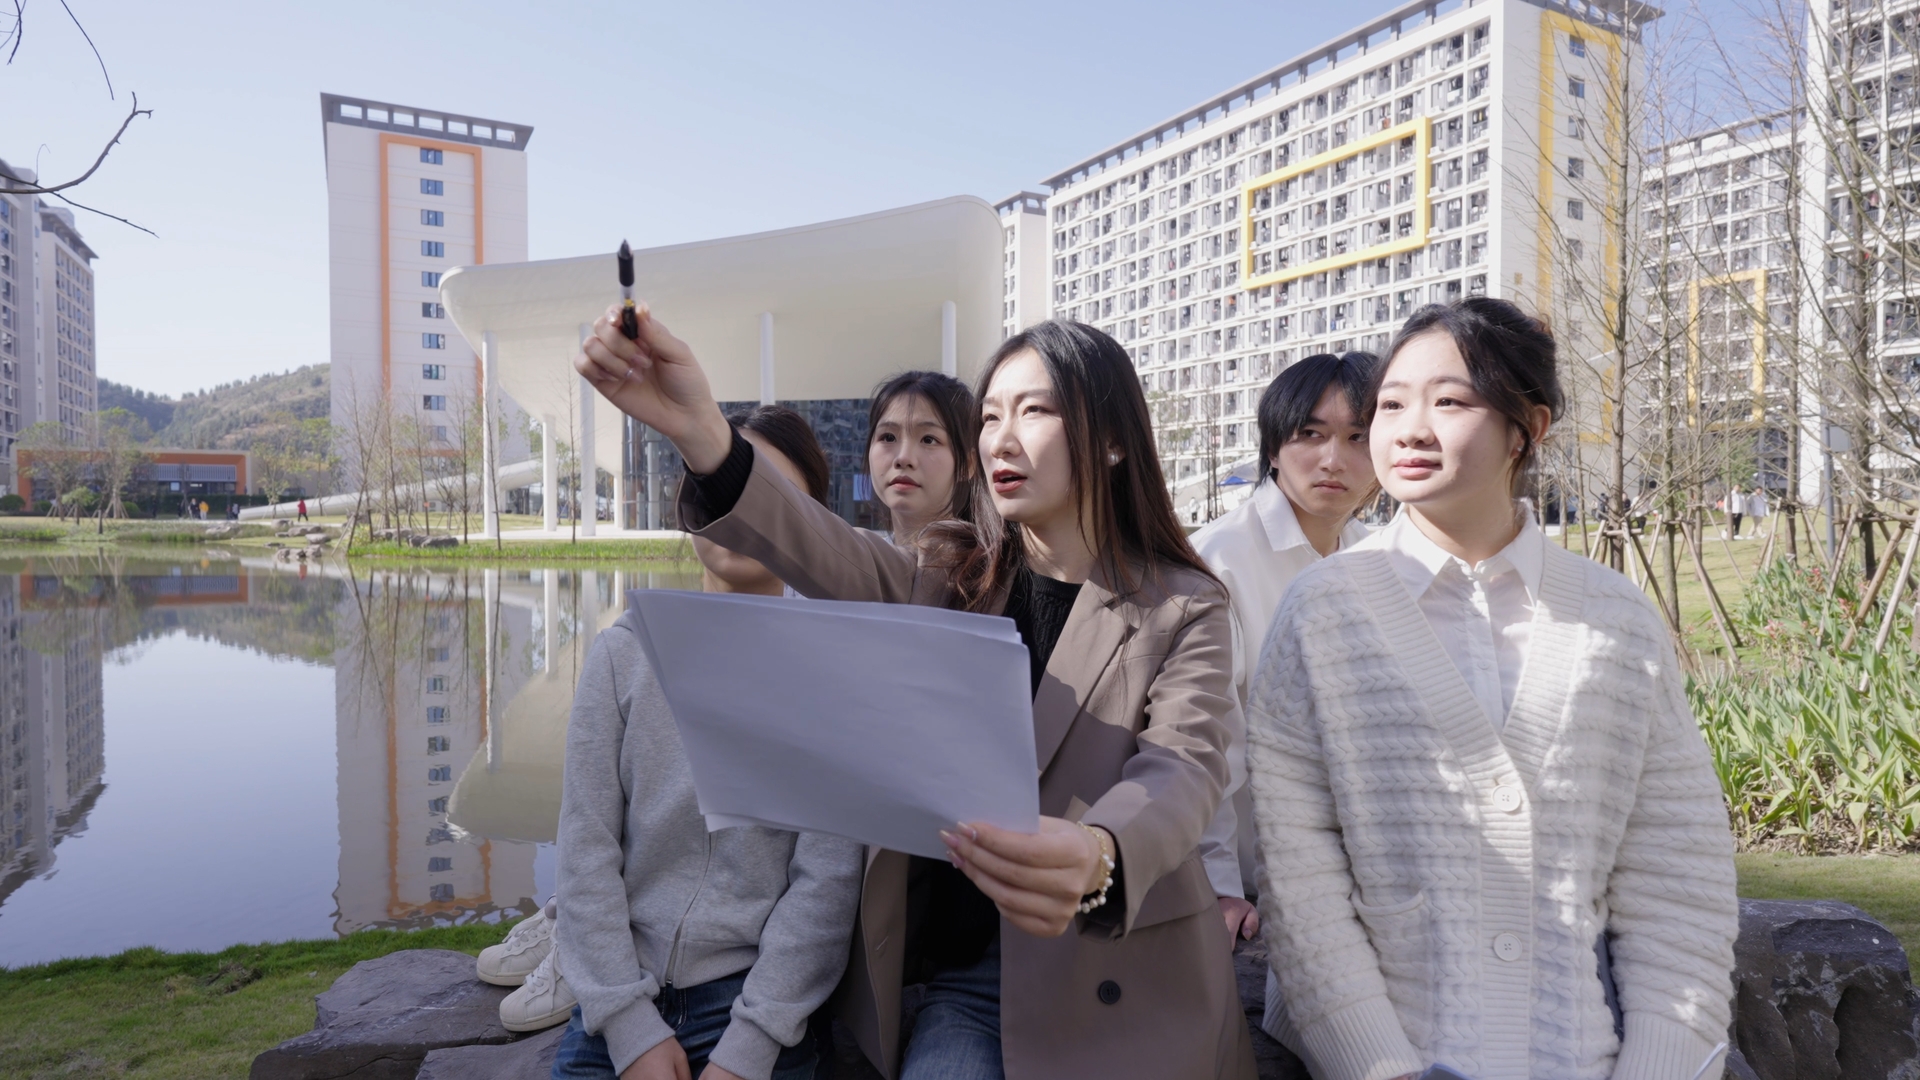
(1093, 947)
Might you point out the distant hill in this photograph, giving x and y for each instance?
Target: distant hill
(231, 416)
(157, 411)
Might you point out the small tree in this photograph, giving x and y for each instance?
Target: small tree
(120, 460)
(57, 460)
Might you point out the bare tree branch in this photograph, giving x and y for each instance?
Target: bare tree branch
(18, 186)
(19, 29)
(90, 45)
(104, 214)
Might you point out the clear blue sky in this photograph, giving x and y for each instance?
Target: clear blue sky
(659, 123)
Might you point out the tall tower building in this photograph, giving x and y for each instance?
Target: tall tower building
(1023, 261)
(411, 194)
(1722, 300)
(1438, 151)
(63, 389)
(46, 323)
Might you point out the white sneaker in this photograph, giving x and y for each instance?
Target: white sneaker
(510, 962)
(542, 1002)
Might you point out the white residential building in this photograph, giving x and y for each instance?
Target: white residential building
(1721, 292)
(411, 194)
(46, 322)
(1314, 207)
(63, 387)
(1023, 223)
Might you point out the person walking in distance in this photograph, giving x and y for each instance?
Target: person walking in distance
(1736, 508)
(1486, 813)
(301, 509)
(1757, 509)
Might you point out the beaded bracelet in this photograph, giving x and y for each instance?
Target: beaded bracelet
(1097, 897)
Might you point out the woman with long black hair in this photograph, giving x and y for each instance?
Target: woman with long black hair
(1093, 947)
(922, 438)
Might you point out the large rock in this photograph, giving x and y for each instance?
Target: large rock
(380, 1019)
(1822, 992)
(530, 1058)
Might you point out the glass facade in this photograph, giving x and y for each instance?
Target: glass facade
(653, 467)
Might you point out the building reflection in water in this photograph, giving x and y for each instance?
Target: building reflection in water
(451, 697)
(55, 628)
(51, 737)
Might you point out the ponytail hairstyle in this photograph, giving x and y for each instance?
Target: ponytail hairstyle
(787, 432)
(1129, 519)
(959, 415)
(1510, 357)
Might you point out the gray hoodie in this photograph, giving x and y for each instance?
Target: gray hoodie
(649, 898)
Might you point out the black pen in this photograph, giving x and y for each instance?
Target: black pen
(629, 317)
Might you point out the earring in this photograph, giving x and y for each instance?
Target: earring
(1113, 457)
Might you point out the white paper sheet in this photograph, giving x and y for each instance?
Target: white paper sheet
(882, 723)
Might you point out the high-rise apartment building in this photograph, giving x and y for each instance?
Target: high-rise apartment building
(1722, 299)
(63, 355)
(46, 323)
(1862, 238)
(411, 194)
(1023, 227)
(1439, 151)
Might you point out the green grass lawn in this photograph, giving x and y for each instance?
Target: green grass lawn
(1884, 886)
(190, 1016)
(1730, 563)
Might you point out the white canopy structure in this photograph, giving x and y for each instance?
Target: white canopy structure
(817, 312)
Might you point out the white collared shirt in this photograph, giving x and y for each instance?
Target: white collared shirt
(1257, 549)
(1482, 614)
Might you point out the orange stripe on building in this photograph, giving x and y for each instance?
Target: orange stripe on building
(386, 237)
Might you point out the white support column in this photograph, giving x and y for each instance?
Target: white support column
(766, 358)
(620, 493)
(550, 617)
(549, 476)
(589, 610)
(490, 602)
(652, 519)
(489, 446)
(589, 497)
(949, 339)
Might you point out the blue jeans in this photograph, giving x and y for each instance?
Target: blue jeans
(698, 1016)
(957, 1034)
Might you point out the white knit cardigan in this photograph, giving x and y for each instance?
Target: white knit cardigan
(1432, 888)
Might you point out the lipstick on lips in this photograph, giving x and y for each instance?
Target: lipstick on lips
(629, 316)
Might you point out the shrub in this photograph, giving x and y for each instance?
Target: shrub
(12, 504)
(1808, 760)
(1816, 749)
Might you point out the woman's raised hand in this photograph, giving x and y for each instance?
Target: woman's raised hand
(657, 381)
(1035, 879)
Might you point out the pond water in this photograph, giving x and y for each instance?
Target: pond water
(200, 753)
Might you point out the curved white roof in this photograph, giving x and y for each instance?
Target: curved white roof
(852, 301)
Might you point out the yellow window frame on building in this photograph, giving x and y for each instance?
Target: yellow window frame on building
(1268, 260)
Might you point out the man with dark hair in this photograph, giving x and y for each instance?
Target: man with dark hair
(1314, 474)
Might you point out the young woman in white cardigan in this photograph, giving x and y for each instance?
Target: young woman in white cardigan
(1317, 474)
(1472, 762)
